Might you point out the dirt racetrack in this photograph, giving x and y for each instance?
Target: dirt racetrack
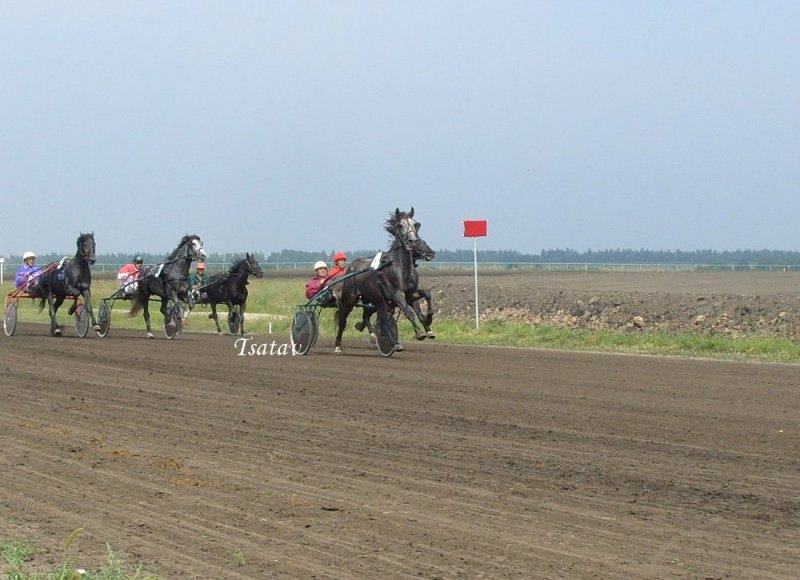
(439, 462)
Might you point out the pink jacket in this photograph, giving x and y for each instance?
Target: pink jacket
(313, 286)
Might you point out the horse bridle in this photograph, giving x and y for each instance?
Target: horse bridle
(412, 240)
(408, 233)
(84, 253)
(250, 268)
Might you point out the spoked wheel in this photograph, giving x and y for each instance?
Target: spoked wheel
(10, 320)
(103, 319)
(173, 323)
(386, 335)
(303, 330)
(314, 329)
(234, 321)
(81, 320)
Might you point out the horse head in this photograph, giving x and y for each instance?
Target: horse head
(191, 246)
(252, 265)
(406, 232)
(86, 248)
(422, 249)
(198, 252)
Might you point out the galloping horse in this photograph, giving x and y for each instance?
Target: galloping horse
(421, 250)
(396, 278)
(230, 289)
(169, 281)
(366, 286)
(72, 277)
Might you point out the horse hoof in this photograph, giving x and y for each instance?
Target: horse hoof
(399, 347)
(150, 335)
(422, 336)
(219, 333)
(431, 334)
(56, 332)
(337, 350)
(96, 328)
(359, 326)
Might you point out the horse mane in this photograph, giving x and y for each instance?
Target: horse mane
(393, 221)
(184, 240)
(236, 263)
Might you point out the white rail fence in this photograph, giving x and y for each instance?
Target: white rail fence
(487, 267)
(307, 267)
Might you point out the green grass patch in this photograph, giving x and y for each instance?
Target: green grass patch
(695, 345)
(19, 556)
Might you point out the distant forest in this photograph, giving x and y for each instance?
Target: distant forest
(557, 256)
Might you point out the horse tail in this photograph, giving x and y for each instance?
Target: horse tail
(137, 301)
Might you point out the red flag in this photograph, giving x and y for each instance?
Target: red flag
(475, 228)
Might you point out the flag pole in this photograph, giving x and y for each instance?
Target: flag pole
(475, 267)
(475, 229)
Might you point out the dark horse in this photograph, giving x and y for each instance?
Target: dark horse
(422, 250)
(169, 281)
(72, 277)
(366, 286)
(230, 289)
(397, 277)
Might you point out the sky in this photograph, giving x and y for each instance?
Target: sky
(267, 125)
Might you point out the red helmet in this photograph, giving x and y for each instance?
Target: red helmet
(339, 256)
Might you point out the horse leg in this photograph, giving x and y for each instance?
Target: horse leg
(345, 308)
(385, 312)
(166, 311)
(87, 304)
(214, 316)
(425, 318)
(231, 312)
(241, 317)
(55, 329)
(400, 300)
(366, 315)
(146, 315)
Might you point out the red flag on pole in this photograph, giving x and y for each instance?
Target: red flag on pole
(475, 228)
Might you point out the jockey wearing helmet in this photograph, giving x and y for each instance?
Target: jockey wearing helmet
(28, 272)
(340, 263)
(129, 274)
(315, 284)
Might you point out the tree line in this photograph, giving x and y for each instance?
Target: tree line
(553, 256)
(562, 256)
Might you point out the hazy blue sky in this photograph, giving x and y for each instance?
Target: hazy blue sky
(265, 125)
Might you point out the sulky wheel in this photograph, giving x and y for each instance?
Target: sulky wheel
(103, 319)
(10, 320)
(172, 323)
(314, 329)
(302, 331)
(387, 336)
(234, 321)
(81, 320)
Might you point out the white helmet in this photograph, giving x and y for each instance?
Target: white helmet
(27, 255)
(320, 264)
